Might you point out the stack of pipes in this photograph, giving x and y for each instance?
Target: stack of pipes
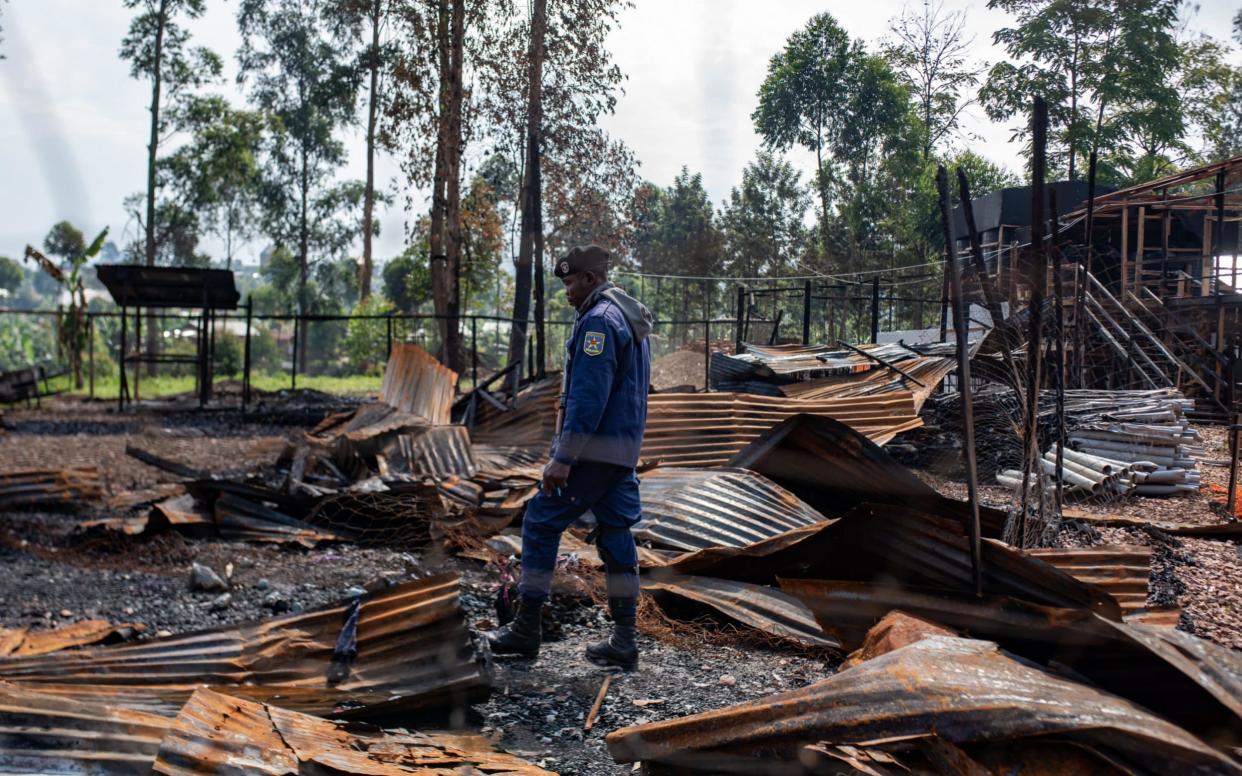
(1124, 443)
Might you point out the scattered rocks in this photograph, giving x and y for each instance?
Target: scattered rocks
(262, 584)
(220, 602)
(276, 601)
(355, 591)
(727, 680)
(204, 579)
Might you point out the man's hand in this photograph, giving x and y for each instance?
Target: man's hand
(555, 475)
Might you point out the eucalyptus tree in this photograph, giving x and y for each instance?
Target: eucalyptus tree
(157, 48)
(930, 51)
(298, 74)
(1104, 68)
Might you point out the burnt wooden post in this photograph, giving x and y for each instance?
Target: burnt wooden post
(875, 308)
(1037, 282)
(1059, 315)
(806, 313)
(123, 387)
(388, 350)
(474, 348)
(707, 336)
(963, 374)
(138, 360)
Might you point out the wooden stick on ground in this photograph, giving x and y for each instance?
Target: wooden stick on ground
(599, 701)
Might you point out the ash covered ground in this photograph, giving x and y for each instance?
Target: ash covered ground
(52, 572)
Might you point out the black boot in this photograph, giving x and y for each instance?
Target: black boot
(621, 649)
(522, 636)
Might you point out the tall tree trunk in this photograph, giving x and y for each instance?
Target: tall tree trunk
(452, 210)
(157, 84)
(303, 256)
(822, 185)
(441, 281)
(368, 202)
(532, 204)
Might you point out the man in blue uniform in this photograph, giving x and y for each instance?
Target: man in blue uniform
(603, 409)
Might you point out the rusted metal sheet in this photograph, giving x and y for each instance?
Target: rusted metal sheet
(24, 641)
(216, 733)
(49, 734)
(1122, 570)
(530, 422)
(833, 468)
(50, 488)
(965, 691)
(879, 542)
(689, 509)
(415, 382)
(707, 429)
(763, 608)
(438, 451)
(1186, 679)
(412, 651)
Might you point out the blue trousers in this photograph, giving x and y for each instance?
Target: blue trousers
(611, 493)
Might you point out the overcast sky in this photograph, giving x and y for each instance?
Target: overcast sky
(73, 124)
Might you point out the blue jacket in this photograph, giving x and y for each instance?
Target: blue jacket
(607, 372)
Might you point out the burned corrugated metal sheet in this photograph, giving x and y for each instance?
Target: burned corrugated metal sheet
(530, 422)
(438, 451)
(1122, 570)
(412, 651)
(965, 691)
(415, 382)
(707, 429)
(48, 734)
(50, 488)
(834, 468)
(763, 608)
(689, 509)
(217, 733)
(240, 519)
(1186, 679)
(24, 641)
(879, 542)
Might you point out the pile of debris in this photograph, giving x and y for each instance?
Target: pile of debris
(977, 680)
(823, 372)
(256, 696)
(1119, 443)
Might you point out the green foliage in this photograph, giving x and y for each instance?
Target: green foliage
(407, 280)
(763, 219)
(825, 93)
(11, 275)
(180, 68)
(64, 241)
(298, 75)
(366, 340)
(929, 52)
(1105, 63)
(229, 355)
(216, 175)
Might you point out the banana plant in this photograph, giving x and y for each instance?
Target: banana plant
(72, 325)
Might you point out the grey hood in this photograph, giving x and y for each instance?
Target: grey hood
(638, 316)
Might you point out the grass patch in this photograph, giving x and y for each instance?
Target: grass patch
(161, 386)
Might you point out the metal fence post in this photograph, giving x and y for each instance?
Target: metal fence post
(246, 356)
(474, 351)
(90, 333)
(293, 372)
(875, 308)
(741, 313)
(388, 351)
(806, 313)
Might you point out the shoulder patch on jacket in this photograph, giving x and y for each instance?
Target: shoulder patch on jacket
(593, 343)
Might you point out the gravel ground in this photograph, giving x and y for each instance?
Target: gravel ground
(51, 574)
